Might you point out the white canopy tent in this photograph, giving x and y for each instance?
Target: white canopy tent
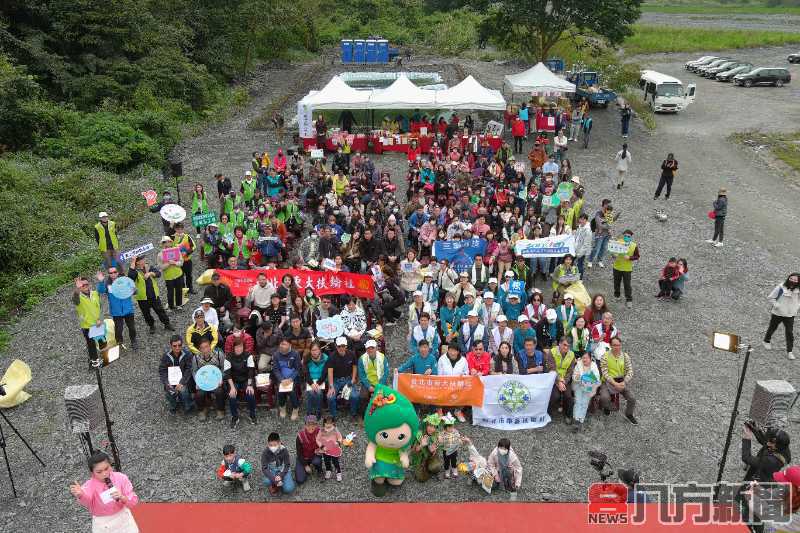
(337, 95)
(538, 80)
(469, 94)
(402, 94)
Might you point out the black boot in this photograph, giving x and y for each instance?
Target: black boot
(379, 489)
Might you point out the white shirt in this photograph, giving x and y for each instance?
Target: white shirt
(211, 315)
(446, 368)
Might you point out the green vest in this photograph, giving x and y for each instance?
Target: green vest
(199, 205)
(249, 189)
(621, 263)
(562, 365)
(226, 228)
(244, 250)
(88, 309)
(112, 231)
(187, 243)
(141, 287)
(172, 272)
(237, 218)
(616, 365)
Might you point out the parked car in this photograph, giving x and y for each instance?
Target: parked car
(763, 76)
(695, 65)
(689, 64)
(727, 75)
(710, 72)
(702, 69)
(794, 58)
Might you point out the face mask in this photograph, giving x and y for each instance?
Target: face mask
(627, 238)
(502, 451)
(328, 428)
(274, 449)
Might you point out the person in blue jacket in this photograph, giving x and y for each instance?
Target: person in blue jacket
(424, 331)
(422, 362)
(121, 309)
(524, 331)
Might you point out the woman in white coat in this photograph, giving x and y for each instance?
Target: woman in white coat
(453, 363)
(623, 161)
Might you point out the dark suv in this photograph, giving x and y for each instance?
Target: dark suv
(794, 58)
(763, 76)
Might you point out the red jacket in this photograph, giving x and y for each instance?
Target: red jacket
(482, 363)
(246, 337)
(518, 128)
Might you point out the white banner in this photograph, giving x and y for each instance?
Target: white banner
(304, 120)
(515, 401)
(557, 246)
(139, 250)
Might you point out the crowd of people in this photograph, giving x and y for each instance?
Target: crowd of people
(341, 213)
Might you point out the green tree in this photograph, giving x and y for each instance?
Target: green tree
(533, 27)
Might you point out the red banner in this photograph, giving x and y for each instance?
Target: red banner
(360, 285)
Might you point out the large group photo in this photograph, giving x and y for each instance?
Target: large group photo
(378, 268)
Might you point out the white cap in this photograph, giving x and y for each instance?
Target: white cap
(514, 295)
(248, 173)
(463, 275)
(165, 239)
(371, 344)
(550, 315)
(102, 214)
(341, 341)
(576, 179)
(492, 280)
(488, 294)
(206, 301)
(472, 313)
(469, 293)
(509, 274)
(502, 318)
(569, 295)
(417, 293)
(392, 218)
(523, 318)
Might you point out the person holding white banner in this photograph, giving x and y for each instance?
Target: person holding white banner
(561, 360)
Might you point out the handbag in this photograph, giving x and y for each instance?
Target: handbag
(712, 214)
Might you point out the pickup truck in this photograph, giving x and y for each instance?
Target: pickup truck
(587, 85)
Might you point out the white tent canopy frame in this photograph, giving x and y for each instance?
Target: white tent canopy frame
(538, 81)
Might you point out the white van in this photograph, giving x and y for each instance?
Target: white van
(665, 93)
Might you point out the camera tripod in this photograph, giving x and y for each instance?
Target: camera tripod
(5, 455)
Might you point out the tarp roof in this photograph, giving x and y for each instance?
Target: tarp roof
(469, 94)
(538, 79)
(402, 94)
(338, 95)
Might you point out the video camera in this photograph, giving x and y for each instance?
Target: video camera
(599, 462)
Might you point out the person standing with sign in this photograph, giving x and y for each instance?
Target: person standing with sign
(175, 372)
(628, 252)
(109, 497)
(186, 244)
(121, 309)
(147, 293)
(87, 306)
(173, 275)
(105, 233)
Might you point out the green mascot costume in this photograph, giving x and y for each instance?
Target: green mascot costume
(391, 425)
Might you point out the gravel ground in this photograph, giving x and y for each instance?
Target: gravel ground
(745, 21)
(682, 421)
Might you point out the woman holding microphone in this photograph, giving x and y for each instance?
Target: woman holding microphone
(108, 496)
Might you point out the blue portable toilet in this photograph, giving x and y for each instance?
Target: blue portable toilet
(359, 51)
(347, 50)
(372, 51)
(383, 51)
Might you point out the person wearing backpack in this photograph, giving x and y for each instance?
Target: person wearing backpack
(587, 129)
(785, 304)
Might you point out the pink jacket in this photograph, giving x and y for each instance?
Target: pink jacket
(93, 488)
(329, 442)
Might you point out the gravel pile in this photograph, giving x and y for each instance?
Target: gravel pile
(684, 388)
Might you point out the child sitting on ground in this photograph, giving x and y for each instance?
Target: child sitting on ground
(329, 440)
(233, 469)
(505, 466)
(450, 441)
(425, 462)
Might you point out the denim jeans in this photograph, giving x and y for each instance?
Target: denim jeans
(599, 248)
(292, 397)
(233, 403)
(288, 482)
(184, 396)
(314, 402)
(338, 384)
(299, 468)
(539, 263)
(580, 263)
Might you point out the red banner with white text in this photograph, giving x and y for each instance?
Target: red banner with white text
(326, 282)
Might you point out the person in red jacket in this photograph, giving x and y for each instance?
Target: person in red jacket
(249, 344)
(479, 361)
(518, 131)
(414, 151)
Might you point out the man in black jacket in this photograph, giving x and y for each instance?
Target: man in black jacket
(328, 248)
(175, 371)
(221, 297)
(371, 248)
(773, 455)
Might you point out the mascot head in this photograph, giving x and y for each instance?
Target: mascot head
(390, 420)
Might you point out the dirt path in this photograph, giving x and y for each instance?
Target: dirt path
(684, 389)
(771, 22)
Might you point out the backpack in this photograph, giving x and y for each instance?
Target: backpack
(593, 224)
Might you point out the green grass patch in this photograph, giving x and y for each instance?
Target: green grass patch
(649, 39)
(701, 8)
(784, 146)
(642, 110)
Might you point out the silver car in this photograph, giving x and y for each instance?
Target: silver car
(728, 75)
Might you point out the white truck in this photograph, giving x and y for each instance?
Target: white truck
(664, 93)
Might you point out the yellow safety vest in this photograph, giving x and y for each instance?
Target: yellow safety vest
(616, 365)
(141, 287)
(88, 309)
(101, 231)
(623, 264)
(187, 243)
(562, 365)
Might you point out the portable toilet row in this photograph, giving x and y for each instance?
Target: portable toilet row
(365, 51)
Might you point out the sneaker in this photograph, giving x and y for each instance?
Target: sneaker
(632, 420)
(339, 477)
(282, 412)
(600, 264)
(588, 264)
(455, 473)
(295, 414)
(273, 490)
(234, 422)
(710, 241)
(220, 415)
(766, 345)
(253, 419)
(568, 421)
(447, 474)
(790, 355)
(245, 485)
(718, 244)
(203, 415)
(328, 474)
(460, 416)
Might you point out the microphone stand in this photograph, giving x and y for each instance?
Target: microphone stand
(96, 364)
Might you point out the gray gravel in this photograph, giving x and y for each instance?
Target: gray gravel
(746, 21)
(684, 388)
